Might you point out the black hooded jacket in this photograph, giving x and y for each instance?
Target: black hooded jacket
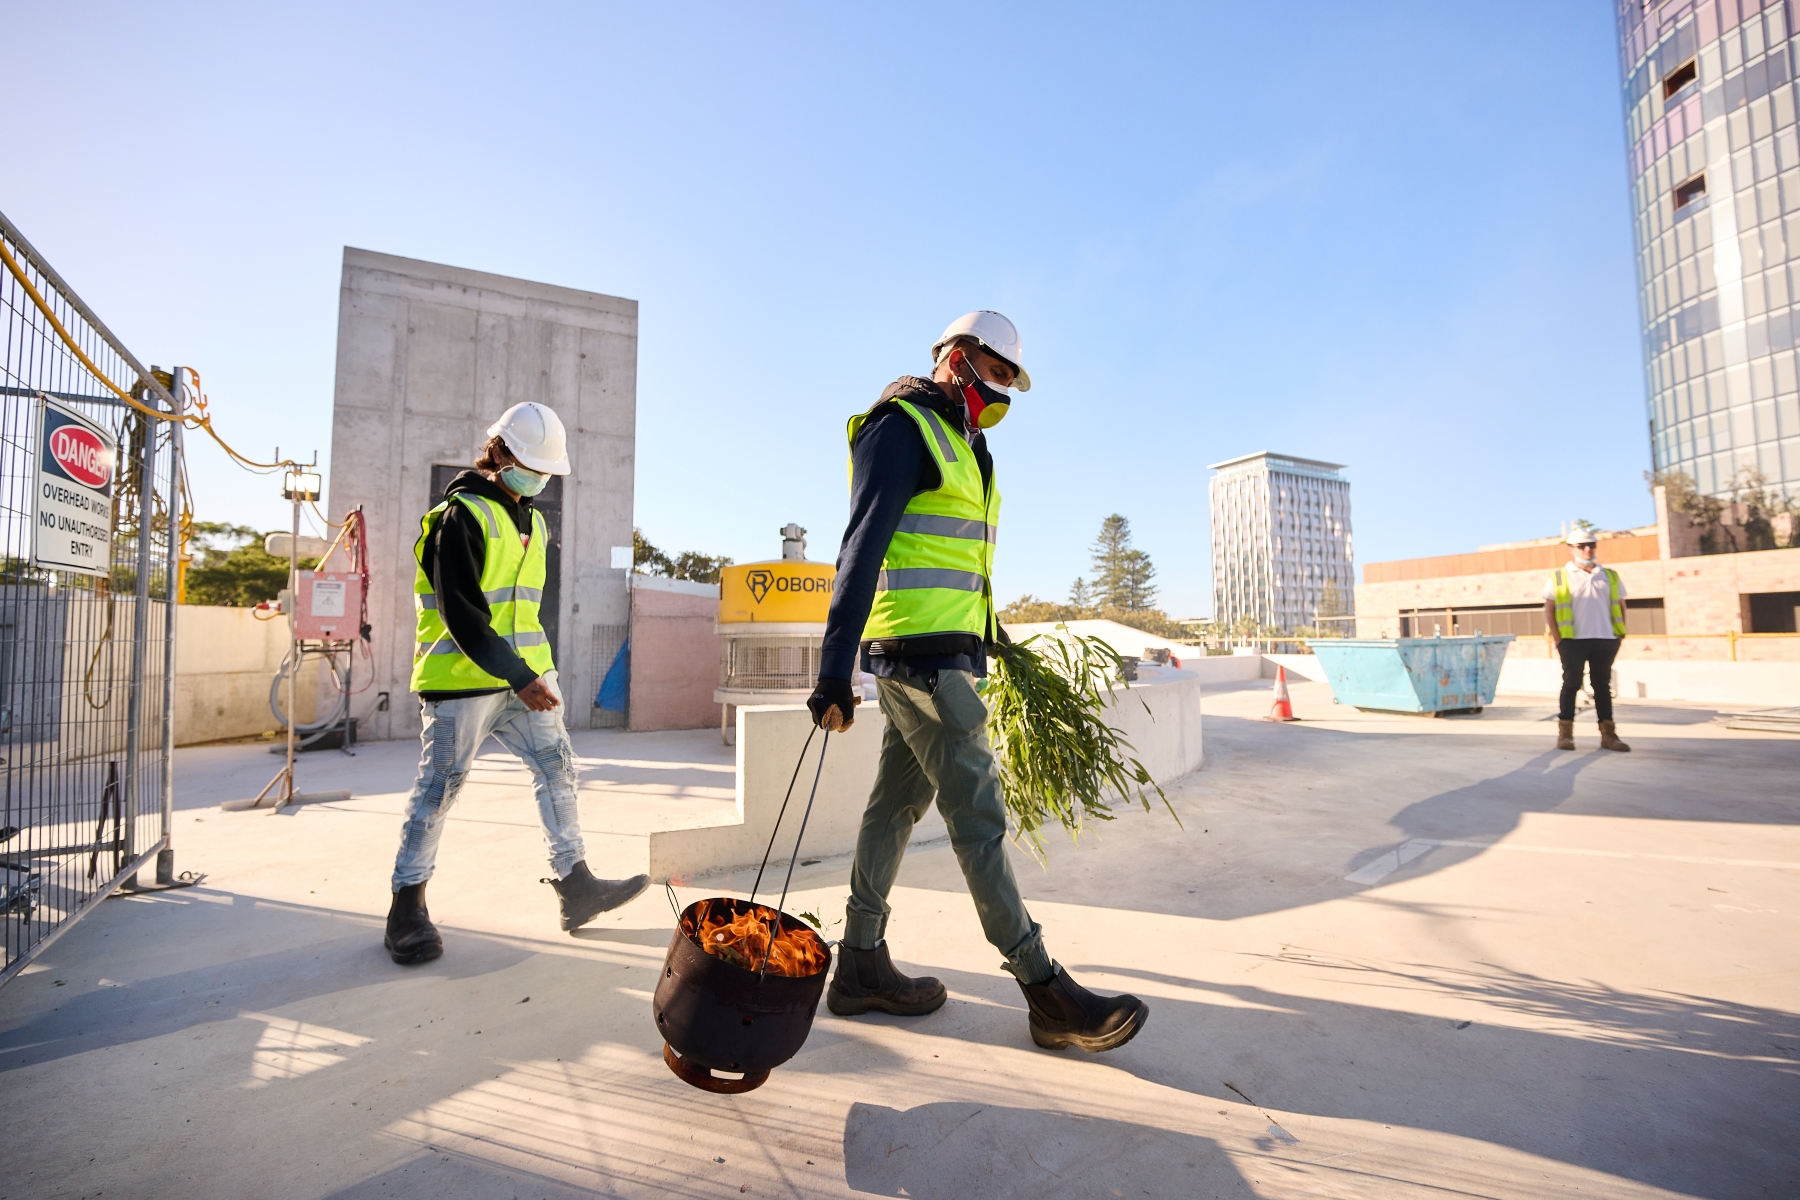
(890, 464)
(453, 556)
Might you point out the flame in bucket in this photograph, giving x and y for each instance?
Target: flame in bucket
(742, 939)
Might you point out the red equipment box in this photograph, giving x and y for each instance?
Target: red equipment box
(329, 606)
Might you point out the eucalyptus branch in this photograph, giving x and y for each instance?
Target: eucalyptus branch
(1059, 759)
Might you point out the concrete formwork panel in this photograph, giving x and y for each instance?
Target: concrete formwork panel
(428, 356)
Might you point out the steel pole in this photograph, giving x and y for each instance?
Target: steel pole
(293, 689)
(165, 858)
(140, 633)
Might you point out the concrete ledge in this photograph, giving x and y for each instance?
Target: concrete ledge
(1160, 718)
(1755, 684)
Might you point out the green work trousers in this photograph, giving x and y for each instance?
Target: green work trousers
(936, 742)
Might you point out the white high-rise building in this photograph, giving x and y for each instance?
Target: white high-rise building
(1280, 540)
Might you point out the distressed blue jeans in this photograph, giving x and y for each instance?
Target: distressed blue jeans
(454, 731)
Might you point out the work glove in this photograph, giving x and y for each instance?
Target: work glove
(832, 704)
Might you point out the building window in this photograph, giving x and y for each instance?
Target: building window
(1772, 612)
(1692, 190)
(1679, 78)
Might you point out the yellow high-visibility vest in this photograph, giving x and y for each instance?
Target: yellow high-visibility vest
(1565, 608)
(936, 574)
(512, 582)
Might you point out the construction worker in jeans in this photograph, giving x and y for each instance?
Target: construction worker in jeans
(482, 665)
(913, 593)
(1584, 611)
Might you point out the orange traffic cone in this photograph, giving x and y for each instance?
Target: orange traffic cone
(1283, 708)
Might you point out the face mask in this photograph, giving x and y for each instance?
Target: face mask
(987, 403)
(524, 481)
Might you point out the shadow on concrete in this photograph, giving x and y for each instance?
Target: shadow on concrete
(441, 1174)
(632, 937)
(1483, 811)
(955, 1151)
(1675, 1091)
(318, 958)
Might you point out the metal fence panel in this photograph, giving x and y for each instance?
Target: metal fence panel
(85, 726)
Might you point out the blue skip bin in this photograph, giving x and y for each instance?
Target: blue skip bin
(1413, 675)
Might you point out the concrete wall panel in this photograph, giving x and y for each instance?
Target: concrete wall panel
(428, 356)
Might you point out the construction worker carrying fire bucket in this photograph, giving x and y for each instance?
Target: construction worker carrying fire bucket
(913, 589)
(1584, 613)
(482, 665)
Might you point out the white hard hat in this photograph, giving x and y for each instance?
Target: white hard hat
(534, 434)
(997, 335)
(1582, 533)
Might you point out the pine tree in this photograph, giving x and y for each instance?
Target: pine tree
(1110, 553)
(1139, 592)
(1080, 594)
(1122, 574)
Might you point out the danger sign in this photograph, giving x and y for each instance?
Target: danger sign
(77, 461)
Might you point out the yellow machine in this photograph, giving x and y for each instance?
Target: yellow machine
(780, 590)
(771, 625)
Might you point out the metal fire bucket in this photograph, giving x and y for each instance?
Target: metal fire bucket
(725, 1027)
(717, 1016)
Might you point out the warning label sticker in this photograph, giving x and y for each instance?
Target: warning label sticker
(77, 465)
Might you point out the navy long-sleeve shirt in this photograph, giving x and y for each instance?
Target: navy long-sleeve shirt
(890, 464)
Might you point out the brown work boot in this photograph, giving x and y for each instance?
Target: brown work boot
(1565, 735)
(866, 981)
(1609, 737)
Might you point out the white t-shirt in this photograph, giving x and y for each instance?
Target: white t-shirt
(1590, 600)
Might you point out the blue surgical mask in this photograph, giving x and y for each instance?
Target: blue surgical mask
(523, 480)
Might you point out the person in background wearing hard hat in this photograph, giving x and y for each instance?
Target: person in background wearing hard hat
(1584, 610)
(913, 589)
(483, 666)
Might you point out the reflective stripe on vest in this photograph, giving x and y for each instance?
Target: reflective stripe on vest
(1565, 605)
(512, 583)
(936, 572)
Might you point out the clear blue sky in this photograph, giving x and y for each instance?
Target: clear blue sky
(1388, 235)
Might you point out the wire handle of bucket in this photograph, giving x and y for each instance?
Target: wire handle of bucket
(819, 771)
(780, 816)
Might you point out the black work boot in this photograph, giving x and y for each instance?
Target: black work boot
(584, 897)
(1063, 1013)
(866, 981)
(411, 937)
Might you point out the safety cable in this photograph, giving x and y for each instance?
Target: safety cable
(199, 419)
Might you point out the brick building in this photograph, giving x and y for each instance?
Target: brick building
(1681, 604)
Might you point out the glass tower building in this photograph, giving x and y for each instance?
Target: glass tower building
(1714, 160)
(1281, 551)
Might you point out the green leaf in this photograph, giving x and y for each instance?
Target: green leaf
(1059, 760)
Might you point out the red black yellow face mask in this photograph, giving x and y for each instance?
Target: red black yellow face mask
(986, 403)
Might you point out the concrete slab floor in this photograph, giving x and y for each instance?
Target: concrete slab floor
(1385, 957)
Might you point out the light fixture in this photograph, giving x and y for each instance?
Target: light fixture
(301, 485)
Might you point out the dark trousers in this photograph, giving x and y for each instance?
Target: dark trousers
(1598, 655)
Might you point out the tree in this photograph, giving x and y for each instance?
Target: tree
(1109, 553)
(689, 564)
(700, 568)
(1080, 594)
(231, 567)
(647, 559)
(1139, 593)
(1331, 600)
(1705, 512)
(1122, 574)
